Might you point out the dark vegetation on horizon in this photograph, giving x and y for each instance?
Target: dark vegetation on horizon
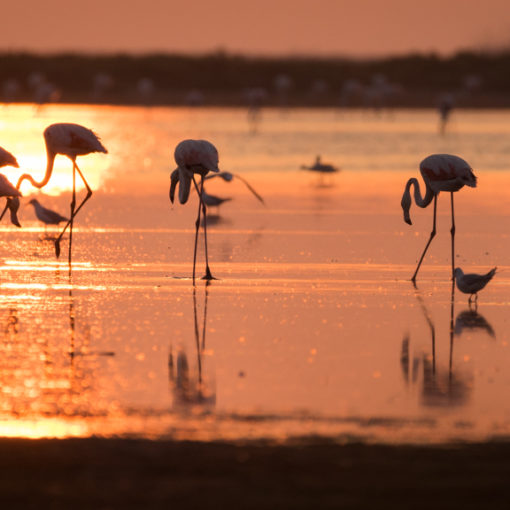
(475, 79)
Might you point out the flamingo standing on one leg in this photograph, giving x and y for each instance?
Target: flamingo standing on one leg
(441, 172)
(70, 140)
(194, 157)
(7, 189)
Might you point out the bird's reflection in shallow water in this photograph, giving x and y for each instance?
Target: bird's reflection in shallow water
(471, 320)
(191, 388)
(440, 386)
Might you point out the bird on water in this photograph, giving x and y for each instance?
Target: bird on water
(71, 140)
(194, 157)
(440, 172)
(472, 283)
(45, 215)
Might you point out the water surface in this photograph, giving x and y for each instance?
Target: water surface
(313, 326)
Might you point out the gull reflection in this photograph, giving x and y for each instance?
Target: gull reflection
(471, 320)
(440, 386)
(192, 390)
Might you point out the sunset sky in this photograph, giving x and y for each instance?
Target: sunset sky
(262, 27)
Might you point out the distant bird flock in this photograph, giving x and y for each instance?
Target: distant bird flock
(194, 158)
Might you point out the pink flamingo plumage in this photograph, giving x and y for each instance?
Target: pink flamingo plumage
(71, 140)
(440, 172)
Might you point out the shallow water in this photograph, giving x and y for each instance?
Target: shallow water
(313, 326)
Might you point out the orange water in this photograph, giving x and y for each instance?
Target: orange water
(313, 326)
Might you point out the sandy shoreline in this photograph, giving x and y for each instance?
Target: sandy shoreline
(117, 473)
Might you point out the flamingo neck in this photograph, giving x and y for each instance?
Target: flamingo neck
(418, 198)
(47, 175)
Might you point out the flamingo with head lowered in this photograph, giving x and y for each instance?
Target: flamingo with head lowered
(441, 172)
(7, 189)
(194, 157)
(71, 140)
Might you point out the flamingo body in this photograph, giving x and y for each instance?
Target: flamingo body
(440, 172)
(194, 157)
(197, 156)
(445, 172)
(7, 159)
(7, 189)
(71, 140)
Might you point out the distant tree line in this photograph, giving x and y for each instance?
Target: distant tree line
(476, 79)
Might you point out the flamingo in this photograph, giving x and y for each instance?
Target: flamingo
(69, 140)
(440, 172)
(7, 189)
(194, 157)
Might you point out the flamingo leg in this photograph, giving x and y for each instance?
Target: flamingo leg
(208, 275)
(197, 226)
(73, 206)
(77, 210)
(432, 235)
(3, 212)
(452, 230)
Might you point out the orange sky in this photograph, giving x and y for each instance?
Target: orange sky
(267, 27)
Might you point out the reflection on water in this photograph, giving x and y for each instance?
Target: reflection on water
(441, 385)
(191, 385)
(471, 320)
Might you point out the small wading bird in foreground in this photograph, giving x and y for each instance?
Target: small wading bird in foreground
(47, 216)
(472, 283)
(7, 189)
(441, 172)
(319, 166)
(194, 157)
(70, 140)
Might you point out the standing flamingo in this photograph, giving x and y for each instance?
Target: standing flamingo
(194, 157)
(7, 189)
(70, 140)
(441, 172)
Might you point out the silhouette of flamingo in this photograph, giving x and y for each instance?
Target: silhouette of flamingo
(440, 172)
(70, 140)
(194, 157)
(7, 189)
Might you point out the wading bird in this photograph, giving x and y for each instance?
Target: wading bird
(228, 177)
(441, 172)
(47, 216)
(472, 283)
(194, 157)
(69, 140)
(7, 189)
(318, 166)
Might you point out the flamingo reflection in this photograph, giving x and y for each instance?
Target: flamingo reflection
(190, 387)
(440, 387)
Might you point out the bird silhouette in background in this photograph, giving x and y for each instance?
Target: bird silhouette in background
(472, 283)
(7, 189)
(194, 157)
(71, 140)
(440, 172)
(319, 166)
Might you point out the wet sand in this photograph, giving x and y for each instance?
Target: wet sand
(98, 473)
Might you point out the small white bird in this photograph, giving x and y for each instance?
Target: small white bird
(472, 283)
(47, 216)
